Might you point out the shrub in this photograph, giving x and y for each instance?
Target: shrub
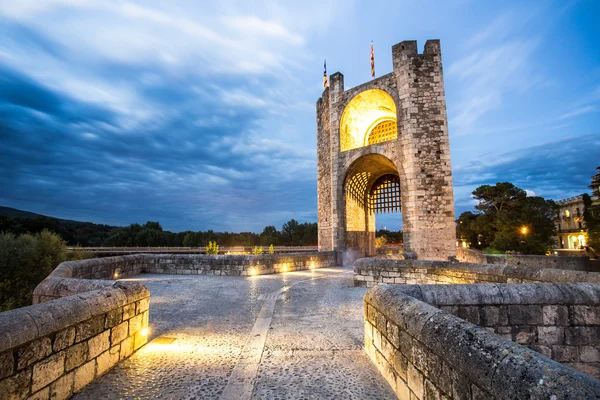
(212, 248)
(271, 249)
(381, 241)
(257, 250)
(25, 261)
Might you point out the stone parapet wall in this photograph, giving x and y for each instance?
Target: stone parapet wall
(369, 272)
(236, 265)
(426, 353)
(576, 263)
(54, 349)
(470, 256)
(558, 320)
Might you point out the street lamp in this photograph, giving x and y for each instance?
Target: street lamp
(524, 230)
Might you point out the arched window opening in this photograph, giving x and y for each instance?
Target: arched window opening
(369, 118)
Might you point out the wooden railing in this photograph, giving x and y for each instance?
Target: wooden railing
(189, 250)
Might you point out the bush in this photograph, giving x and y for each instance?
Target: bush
(271, 249)
(212, 248)
(257, 250)
(25, 261)
(381, 241)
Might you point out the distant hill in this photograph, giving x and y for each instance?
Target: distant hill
(14, 213)
(73, 232)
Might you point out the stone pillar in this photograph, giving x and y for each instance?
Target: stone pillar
(428, 213)
(324, 177)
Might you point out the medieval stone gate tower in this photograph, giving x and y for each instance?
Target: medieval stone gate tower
(382, 147)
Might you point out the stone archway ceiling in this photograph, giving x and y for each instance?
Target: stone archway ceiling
(369, 113)
(384, 196)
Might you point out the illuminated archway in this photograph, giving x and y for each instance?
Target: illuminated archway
(369, 118)
(372, 186)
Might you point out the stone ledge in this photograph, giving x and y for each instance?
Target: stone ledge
(419, 348)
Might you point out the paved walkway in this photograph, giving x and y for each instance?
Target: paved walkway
(288, 336)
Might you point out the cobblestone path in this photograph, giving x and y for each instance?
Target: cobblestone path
(296, 335)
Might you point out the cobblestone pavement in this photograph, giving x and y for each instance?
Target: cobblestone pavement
(296, 335)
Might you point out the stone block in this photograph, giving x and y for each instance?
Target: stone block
(555, 315)
(393, 334)
(34, 351)
(524, 335)
(402, 390)
(415, 381)
(48, 371)
(98, 344)
(89, 328)
(7, 364)
(76, 355)
(126, 347)
(135, 324)
(565, 353)
(113, 317)
(43, 394)
(139, 340)
(582, 335)
(549, 335)
(589, 354)
(585, 315)
(62, 388)
(84, 375)
(108, 359)
(525, 314)
(119, 333)
(431, 391)
(489, 316)
(64, 339)
(142, 305)
(128, 311)
(17, 386)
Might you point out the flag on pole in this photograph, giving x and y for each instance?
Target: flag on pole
(325, 74)
(372, 60)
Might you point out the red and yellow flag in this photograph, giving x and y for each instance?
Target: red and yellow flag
(372, 60)
(325, 74)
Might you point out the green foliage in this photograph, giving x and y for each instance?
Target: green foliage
(591, 213)
(25, 261)
(391, 236)
(257, 250)
(271, 249)
(212, 248)
(503, 210)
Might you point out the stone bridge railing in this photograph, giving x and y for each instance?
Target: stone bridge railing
(482, 331)
(425, 352)
(52, 349)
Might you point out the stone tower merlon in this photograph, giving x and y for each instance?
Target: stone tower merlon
(420, 153)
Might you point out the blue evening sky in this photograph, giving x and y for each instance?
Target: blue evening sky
(201, 115)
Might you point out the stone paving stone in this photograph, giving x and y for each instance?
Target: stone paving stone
(313, 348)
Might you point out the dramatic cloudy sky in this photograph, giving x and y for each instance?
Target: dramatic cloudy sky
(201, 115)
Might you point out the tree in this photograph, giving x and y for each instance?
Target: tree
(499, 197)
(504, 210)
(591, 213)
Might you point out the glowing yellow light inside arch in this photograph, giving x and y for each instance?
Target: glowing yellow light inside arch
(368, 111)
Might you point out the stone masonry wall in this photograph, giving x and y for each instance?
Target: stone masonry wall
(369, 272)
(558, 320)
(236, 265)
(576, 263)
(426, 353)
(420, 155)
(54, 349)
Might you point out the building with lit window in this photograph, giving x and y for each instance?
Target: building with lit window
(571, 232)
